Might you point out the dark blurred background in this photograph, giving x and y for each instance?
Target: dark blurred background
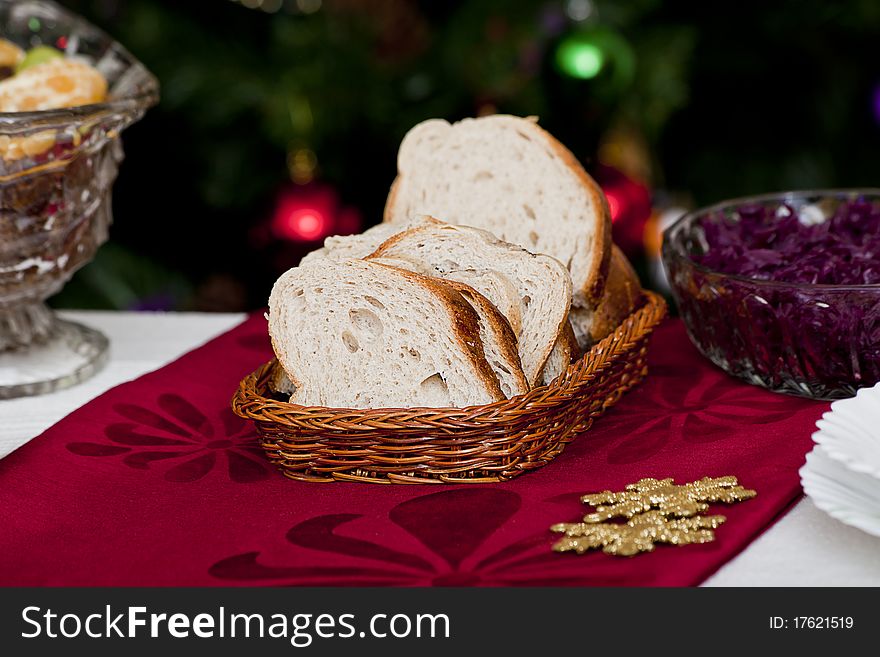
(280, 119)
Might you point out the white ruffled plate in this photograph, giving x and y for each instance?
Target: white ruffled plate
(850, 432)
(849, 496)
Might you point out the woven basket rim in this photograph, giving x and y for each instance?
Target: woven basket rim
(649, 314)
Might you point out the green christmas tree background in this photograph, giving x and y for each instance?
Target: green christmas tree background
(266, 102)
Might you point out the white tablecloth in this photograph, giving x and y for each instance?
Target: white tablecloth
(805, 548)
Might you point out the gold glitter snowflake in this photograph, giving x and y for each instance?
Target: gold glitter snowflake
(664, 496)
(638, 534)
(656, 511)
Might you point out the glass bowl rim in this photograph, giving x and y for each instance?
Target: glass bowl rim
(146, 96)
(140, 100)
(834, 192)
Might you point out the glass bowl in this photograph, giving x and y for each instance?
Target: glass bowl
(57, 169)
(813, 340)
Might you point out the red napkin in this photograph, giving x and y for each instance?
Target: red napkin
(156, 482)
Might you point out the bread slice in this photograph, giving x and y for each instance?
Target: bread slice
(499, 341)
(496, 334)
(357, 334)
(279, 382)
(499, 289)
(564, 352)
(344, 247)
(508, 176)
(543, 284)
(498, 327)
(622, 294)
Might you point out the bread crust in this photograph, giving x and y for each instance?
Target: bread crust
(391, 199)
(595, 283)
(500, 326)
(569, 343)
(395, 240)
(280, 381)
(621, 296)
(466, 324)
(564, 352)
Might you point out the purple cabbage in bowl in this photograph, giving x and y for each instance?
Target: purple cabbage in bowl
(783, 290)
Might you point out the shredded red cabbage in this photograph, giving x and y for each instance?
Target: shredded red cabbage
(782, 244)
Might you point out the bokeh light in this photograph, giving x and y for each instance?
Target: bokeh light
(613, 204)
(309, 213)
(300, 224)
(579, 58)
(579, 10)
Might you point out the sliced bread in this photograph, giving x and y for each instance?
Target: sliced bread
(356, 334)
(499, 327)
(344, 247)
(543, 285)
(281, 383)
(508, 176)
(622, 294)
(498, 339)
(498, 288)
(502, 290)
(564, 352)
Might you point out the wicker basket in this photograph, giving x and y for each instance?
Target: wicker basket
(477, 444)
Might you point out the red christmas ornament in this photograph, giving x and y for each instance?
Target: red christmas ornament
(309, 213)
(630, 204)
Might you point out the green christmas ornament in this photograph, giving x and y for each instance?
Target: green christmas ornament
(38, 55)
(596, 52)
(580, 59)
